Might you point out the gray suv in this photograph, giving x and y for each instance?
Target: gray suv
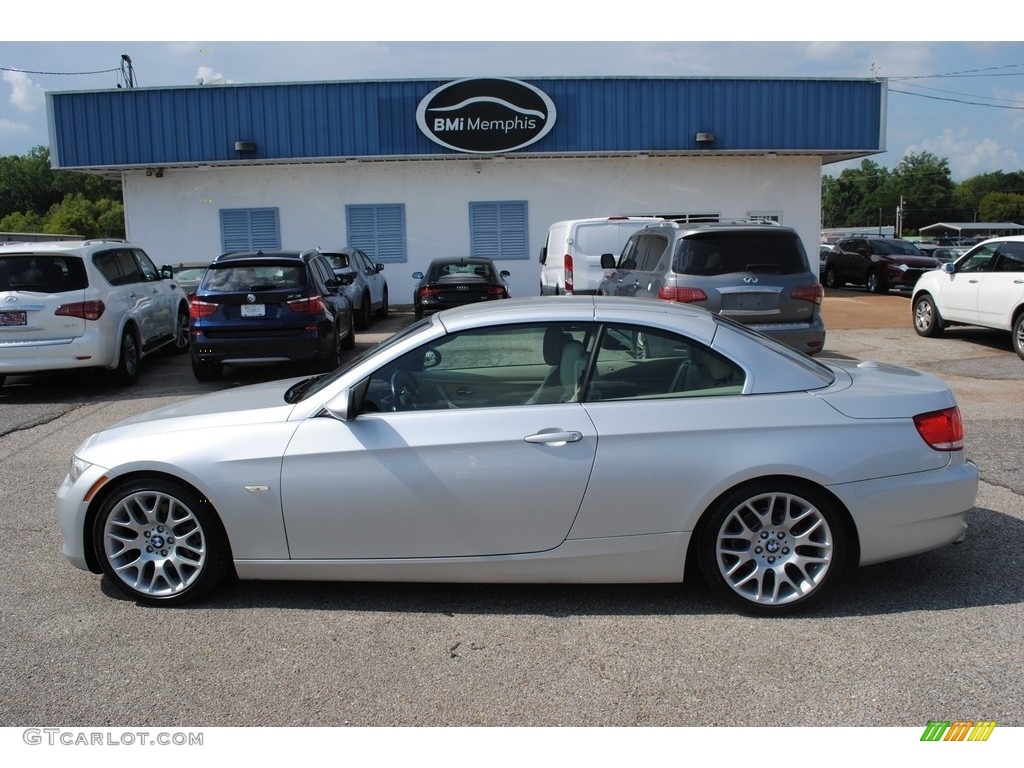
(755, 273)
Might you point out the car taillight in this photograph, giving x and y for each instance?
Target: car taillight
(683, 295)
(567, 263)
(496, 290)
(87, 310)
(942, 430)
(813, 293)
(427, 292)
(310, 305)
(198, 309)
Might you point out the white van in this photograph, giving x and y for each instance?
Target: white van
(571, 257)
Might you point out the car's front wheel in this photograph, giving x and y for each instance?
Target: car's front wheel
(875, 283)
(384, 308)
(363, 318)
(181, 332)
(773, 547)
(831, 281)
(927, 320)
(1018, 336)
(159, 541)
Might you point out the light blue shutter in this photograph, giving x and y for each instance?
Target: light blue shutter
(377, 230)
(250, 229)
(498, 230)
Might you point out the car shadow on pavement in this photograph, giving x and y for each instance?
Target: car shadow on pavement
(983, 570)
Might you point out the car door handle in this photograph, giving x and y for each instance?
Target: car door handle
(464, 390)
(555, 437)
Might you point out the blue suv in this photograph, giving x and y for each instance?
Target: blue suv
(269, 307)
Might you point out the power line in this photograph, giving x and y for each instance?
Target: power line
(955, 101)
(36, 72)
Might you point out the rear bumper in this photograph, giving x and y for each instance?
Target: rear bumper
(808, 338)
(86, 351)
(307, 345)
(906, 515)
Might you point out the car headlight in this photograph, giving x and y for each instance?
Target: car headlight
(78, 466)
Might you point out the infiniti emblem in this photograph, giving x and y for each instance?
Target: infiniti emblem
(749, 279)
(251, 298)
(11, 299)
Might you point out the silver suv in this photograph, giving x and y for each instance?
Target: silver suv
(754, 273)
(363, 283)
(86, 304)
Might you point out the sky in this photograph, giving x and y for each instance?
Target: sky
(960, 100)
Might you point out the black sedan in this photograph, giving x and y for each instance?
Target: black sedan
(454, 282)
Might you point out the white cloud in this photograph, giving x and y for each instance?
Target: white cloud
(207, 76)
(12, 127)
(968, 156)
(25, 95)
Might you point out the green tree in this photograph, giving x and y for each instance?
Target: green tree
(21, 222)
(859, 197)
(1002, 206)
(924, 184)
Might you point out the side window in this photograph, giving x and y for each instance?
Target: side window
(515, 365)
(130, 271)
(146, 266)
(655, 250)
(980, 260)
(641, 363)
(106, 263)
(1011, 258)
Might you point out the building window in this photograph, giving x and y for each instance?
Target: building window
(378, 231)
(249, 229)
(498, 230)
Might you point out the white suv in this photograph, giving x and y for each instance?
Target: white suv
(984, 287)
(86, 304)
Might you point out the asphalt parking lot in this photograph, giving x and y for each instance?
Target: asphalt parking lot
(935, 636)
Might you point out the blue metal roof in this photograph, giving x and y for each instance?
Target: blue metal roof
(377, 119)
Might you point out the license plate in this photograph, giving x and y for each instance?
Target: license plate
(749, 302)
(13, 318)
(254, 310)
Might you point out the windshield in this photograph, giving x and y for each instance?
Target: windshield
(311, 386)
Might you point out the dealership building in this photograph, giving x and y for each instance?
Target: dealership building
(412, 170)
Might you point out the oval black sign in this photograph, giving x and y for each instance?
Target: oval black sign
(485, 115)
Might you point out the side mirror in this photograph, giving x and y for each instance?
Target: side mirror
(544, 255)
(505, 273)
(342, 406)
(607, 261)
(166, 272)
(948, 267)
(417, 275)
(379, 267)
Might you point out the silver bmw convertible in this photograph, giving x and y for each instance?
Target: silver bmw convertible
(571, 439)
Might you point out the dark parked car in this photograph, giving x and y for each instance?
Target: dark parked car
(878, 263)
(455, 282)
(755, 273)
(189, 274)
(363, 282)
(269, 308)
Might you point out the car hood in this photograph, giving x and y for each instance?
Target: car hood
(923, 262)
(884, 391)
(253, 404)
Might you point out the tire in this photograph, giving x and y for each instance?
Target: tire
(127, 371)
(181, 341)
(382, 312)
(363, 313)
(159, 542)
(831, 281)
(875, 283)
(206, 370)
(349, 341)
(333, 360)
(417, 308)
(773, 547)
(1016, 338)
(927, 320)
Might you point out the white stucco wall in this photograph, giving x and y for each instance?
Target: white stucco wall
(176, 217)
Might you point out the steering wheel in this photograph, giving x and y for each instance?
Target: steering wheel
(403, 391)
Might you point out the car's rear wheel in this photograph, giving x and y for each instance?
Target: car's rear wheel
(927, 320)
(159, 542)
(384, 308)
(181, 335)
(206, 370)
(127, 371)
(333, 360)
(1017, 336)
(349, 341)
(773, 547)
